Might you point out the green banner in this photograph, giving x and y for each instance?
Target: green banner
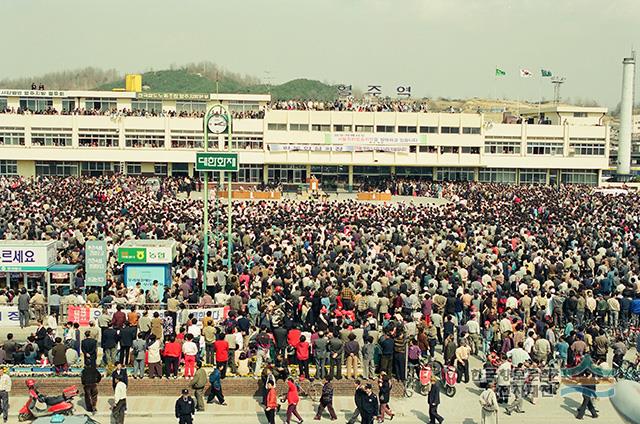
(132, 255)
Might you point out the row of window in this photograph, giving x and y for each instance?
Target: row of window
(403, 129)
(41, 104)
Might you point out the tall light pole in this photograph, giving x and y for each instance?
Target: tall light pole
(217, 120)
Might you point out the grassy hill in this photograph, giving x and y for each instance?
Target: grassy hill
(183, 81)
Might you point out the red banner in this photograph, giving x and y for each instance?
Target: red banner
(79, 314)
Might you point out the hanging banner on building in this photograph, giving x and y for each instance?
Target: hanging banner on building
(374, 138)
(335, 148)
(173, 96)
(9, 316)
(95, 262)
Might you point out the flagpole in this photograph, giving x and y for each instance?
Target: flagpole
(540, 96)
(495, 83)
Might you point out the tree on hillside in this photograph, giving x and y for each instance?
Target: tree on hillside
(78, 79)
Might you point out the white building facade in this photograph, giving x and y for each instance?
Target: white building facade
(340, 147)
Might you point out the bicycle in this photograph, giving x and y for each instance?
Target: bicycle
(306, 388)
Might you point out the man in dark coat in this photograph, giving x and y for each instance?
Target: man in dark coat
(434, 401)
(359, 396)
(185, 408)
(90, 377)
(89, 347)
(370, 405)
(120, 373)
(127, 336)
(109, 342)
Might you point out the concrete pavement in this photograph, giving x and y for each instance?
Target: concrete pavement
(463, 408)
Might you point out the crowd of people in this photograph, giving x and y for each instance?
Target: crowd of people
(352, 105)
(518, 275)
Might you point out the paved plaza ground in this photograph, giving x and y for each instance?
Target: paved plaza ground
(463, 408)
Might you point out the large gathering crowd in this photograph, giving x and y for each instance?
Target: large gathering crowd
(518, 275)
(352, 105)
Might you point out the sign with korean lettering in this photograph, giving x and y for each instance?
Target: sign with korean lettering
(374, 138)
(79, 314)
(95, 262)
(337, 148)
(23, 256)
(32, 93)
(9, 316)
(132, 255)
(173, 96)
(216, 161)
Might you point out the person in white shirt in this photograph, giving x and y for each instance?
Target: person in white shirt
(5, 388)
(119, 401)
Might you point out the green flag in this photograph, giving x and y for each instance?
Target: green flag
(545, 73)
(500, 72)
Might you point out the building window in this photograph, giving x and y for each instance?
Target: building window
(502, 147)
(320, 127)
(189, 139)
(385, 128)
(242, 108)
(100, 105)
(57, 169)
(588, 149)
(471, 150)
(8, 167)
(191, 108)
(3, 103)
(299, 127)
(68, 105)
(179, 169)
(545, 148)
(150, 106)
(97, 168)
(428, 149)
(364, 128)
(470, 130)
(160, 169)
(98, 138)
(144, 139)
(36, 104)
(287, 173)
(11, 136)
(579, 114)
(276, 127)
(51, 137)
(533, 176)
(249, 173)
(429, 130)
(450, 130)
(415, 171)
(364, 172)
(247, 141)
(580, 176)
(407, 129)
(455, 174)
(497, 175)
(342, 128)
(449, 149)
(134, 168)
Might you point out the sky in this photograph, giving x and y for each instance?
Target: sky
(440, 48)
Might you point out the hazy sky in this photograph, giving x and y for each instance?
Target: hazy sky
(445, 48)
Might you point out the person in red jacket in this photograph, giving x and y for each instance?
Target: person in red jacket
(118, 319)
(271, 403)
(302, 356)
(292, 401)
(171, 354)
(221, 348)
